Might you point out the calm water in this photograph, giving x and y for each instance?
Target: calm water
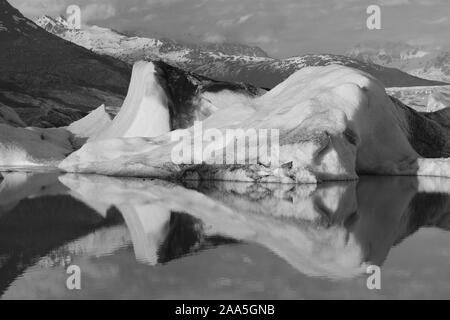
(148, 239)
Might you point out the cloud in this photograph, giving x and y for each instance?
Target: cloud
(438, 21)
(227, 23)
(214, 38)
(262, 39)
(243, 19)
(150, 17)
(388, 3)
(430, 2)
(97, 11)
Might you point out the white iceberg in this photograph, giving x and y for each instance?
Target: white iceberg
(334, 122)
(91, 125)
(144, 112)
(162, 98)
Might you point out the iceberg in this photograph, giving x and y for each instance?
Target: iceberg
(92, 124)
(334, 123)
(162, 98)
(30, 147)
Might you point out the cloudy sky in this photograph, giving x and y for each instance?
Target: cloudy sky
(281, 27)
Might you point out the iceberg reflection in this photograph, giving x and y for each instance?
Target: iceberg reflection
(332, 230)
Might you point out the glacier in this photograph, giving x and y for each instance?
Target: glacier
(335, 123)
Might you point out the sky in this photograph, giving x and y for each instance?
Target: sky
(283, 28)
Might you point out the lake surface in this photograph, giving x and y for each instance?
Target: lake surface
(150, 239)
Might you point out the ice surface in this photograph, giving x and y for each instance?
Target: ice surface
(91, 125)
(33, 146)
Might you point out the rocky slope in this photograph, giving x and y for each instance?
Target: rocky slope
(49, 81)
(230, 62)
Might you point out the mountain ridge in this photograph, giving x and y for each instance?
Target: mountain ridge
(227, 62)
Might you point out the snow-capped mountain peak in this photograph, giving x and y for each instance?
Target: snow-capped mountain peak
(105, 41)
(53, 25)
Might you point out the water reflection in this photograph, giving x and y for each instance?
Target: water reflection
(329, 231)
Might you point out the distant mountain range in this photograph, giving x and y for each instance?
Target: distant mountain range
(230, 62)
(49, 81)
(422, 61)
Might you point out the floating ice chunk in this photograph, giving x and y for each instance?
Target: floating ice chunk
(33, 146)
(334, 122)
(91, 125)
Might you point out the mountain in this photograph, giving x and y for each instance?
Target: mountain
(131, 48)
(269, 73)
(422, 61)
(423, 99)
(437, 68)
(53, 25)
(229, 62)
(49, 81)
